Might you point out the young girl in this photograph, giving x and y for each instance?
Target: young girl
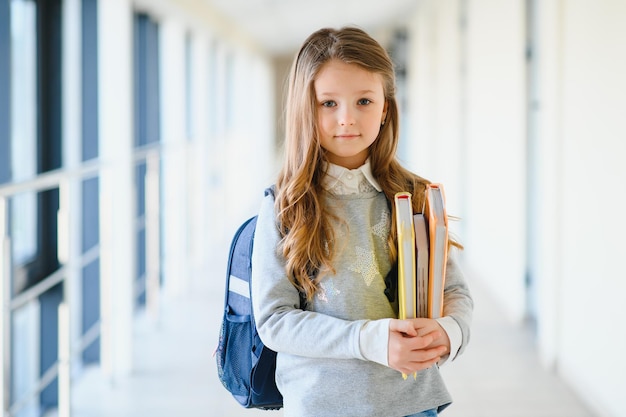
(324, 247)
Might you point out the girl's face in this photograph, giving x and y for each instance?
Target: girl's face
(351, 107)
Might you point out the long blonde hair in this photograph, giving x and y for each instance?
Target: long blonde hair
(307, 243)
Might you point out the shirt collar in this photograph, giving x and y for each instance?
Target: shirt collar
(348, 180)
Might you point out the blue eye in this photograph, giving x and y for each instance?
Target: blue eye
(329, 103)
(364, 101)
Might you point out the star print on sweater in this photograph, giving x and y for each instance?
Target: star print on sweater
(327, 290)
(381, 230)
(365, 265)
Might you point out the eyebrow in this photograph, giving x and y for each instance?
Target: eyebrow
(332, 93)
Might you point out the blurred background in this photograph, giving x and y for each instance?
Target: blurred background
(136, 135)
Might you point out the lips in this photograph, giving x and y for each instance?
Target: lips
(348, 136)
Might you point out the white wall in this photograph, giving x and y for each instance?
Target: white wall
(592, 102)
(249, 138)
(496, 149)
(549, 164)
(467, 115)
(435, 107)
(242, 140)
(577, 170)
(215, 178)
(212, 175)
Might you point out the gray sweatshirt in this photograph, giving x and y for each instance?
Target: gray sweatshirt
(322, 366)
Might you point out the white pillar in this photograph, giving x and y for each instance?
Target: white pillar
(72, 146)
(549, 274)
(200, 174)
(175, 244)
(117, 208)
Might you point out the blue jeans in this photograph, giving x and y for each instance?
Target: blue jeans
(427, 413)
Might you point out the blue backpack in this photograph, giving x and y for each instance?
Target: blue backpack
(244, 365)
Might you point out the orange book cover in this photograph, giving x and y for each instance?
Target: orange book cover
(435, 213)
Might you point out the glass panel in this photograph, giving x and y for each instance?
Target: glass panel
(5, 87)
(146, 72)
(24, 227)
(24, 347)
(89, 55)
(91, 308)
(24, 127)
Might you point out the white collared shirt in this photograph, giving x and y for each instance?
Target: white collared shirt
(340, 180)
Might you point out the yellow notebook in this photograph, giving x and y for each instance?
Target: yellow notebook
(406, 256)
(407, 291)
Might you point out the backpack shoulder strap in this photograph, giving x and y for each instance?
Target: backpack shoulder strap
(271, 190)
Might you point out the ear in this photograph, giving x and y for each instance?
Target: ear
(384, 115)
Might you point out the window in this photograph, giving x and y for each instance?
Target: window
(146, 74)
(23, 144)
(35, 147)
(5, 87)
(146, 118)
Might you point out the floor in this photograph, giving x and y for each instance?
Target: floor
(498, 376)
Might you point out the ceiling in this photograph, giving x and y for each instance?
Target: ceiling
(281, 26)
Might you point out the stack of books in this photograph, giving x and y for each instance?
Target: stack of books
(422, 254)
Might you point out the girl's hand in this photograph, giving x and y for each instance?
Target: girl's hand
(415, 344)
(426, 326)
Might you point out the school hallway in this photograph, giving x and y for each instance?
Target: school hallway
(175, 374)
(136, 135)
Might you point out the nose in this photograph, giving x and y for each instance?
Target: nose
(346, 116)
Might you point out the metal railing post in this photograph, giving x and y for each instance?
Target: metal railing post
(106, 242)
(64, 309)
(68, 183)
(5, 310)
(64, 406)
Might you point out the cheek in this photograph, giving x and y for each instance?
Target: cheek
(374, 123)
(323, 123)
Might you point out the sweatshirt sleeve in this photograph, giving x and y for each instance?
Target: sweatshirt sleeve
(458, 305)
(281, 324)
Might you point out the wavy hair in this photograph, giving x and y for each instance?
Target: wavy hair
(307, 236)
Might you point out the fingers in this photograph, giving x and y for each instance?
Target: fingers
(427, 355)
(415, 344)
(421, 323)
(420, 360)
(409, 354)
(424, 341)
(416, 327)
(429, 326)
(410, 369)
(403, 326)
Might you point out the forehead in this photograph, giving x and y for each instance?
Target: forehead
(337, 76)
